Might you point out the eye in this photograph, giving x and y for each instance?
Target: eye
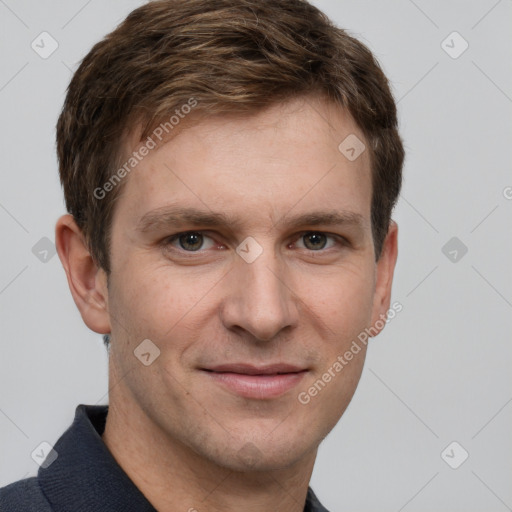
(190, 241)
(194, 241)
(316, 240)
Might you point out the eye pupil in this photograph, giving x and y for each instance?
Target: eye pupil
(195, 240)
(317, 238)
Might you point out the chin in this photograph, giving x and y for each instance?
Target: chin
(261, 455)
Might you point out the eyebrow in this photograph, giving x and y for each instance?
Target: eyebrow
(177, 216)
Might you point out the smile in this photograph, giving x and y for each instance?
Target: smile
(256, 383)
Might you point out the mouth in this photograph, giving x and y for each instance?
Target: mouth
(254, 382)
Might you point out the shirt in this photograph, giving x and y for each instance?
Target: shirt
(85, 477)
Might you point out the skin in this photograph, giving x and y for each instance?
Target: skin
(183, 439)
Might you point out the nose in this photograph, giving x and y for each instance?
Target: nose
(259, 297)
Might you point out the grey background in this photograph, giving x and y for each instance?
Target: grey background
(440, 371)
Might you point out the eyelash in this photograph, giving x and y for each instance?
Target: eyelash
(339, 241)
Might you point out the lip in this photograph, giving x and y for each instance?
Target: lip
(264, 382)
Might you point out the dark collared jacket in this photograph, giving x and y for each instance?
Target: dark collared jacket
(85, 477)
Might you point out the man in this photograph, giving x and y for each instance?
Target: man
(229, 168)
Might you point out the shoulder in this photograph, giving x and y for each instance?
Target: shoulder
(23, 496)
(312, 503)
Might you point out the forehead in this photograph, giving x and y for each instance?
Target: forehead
(286, 157)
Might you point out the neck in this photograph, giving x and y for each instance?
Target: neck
(173, 477)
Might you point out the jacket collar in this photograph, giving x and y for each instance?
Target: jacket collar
(85, 476)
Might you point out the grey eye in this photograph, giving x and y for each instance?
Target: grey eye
(315, 240)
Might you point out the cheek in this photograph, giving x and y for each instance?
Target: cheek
(344, 303)
(343, 300)
(154, 302)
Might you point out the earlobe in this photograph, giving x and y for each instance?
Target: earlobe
(86, 281)
(384, 277)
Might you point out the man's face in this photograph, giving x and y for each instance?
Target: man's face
(295, 294)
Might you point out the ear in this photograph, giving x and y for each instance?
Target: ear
(87, 282)
(384, 278)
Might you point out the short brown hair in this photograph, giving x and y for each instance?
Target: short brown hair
(231, 56)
